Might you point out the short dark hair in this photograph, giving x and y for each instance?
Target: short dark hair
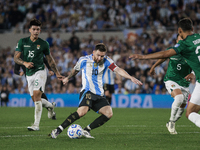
(185, 24)
(101, 47)
(35, 22)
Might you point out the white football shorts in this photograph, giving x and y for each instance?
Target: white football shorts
(171, 85)
(195, 97)
(37, 81)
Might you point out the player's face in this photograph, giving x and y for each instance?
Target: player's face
(35, 31)
(98, 56)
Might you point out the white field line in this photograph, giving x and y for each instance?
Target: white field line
(45, 135)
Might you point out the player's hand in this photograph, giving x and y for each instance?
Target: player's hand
(136, 56)
(152, 71)
(65, 80)
(28, 65)
(190, 76)
(51, 73)
(60, 77)
(136, 81)
(21, 73)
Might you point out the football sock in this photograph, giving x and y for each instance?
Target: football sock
(70, 119)
(109, 99)
(195, 118)
(178, 99)
(38, 112)
(179, 114)
(173, 113)
(98, 122)
(46, 104)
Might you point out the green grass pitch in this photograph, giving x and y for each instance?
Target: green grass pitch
(129, 129)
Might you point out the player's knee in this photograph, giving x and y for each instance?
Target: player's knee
(108, 114)
(178, 100)
(187, 114)
(81, 113)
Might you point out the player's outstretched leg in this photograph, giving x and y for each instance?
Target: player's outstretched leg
(178, 100)
(70, 119)
(49, 106)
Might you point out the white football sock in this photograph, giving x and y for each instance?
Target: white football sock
(173, 113)
(61, 128)
(195, 118)
(178, 100)
(38, 112)
(179, 114)
(46, 103)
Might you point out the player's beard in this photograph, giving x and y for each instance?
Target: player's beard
(98, 62)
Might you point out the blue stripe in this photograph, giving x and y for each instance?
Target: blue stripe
(87, 86)
(95, 81)
(82, 97)
(83, 64)
(109, 78)
(106, 63)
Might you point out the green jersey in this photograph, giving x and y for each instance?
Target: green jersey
(189, 48)
(33, 52)
(177, 70)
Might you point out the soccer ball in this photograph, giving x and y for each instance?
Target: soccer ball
(74, 131)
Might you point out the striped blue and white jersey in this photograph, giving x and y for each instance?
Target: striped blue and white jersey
(109, 77)
(93, 73)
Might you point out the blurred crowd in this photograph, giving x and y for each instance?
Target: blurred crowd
(76, 15)
(66, 52)
(95, 15)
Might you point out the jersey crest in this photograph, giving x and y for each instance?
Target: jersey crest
(38, 46)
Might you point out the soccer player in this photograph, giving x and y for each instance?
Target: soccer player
(109, 84)
(45, 103)
(92, 94)
(109, 81)
(189, 48)
(33, 50)
(176, 85)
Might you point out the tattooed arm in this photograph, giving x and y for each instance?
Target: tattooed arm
(17, 58)
(52, 64)
(19, 61)
(72, 74)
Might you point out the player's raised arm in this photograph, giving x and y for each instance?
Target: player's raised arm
(52, 64)
(72, 74)
(123, 73)
(158, 55)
